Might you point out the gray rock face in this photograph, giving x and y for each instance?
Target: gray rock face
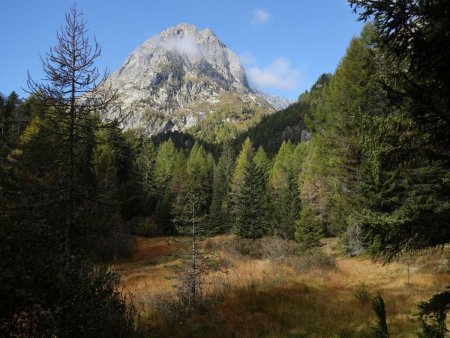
(277, 102)
(175, 79)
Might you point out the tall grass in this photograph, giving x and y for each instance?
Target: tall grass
(286, 294)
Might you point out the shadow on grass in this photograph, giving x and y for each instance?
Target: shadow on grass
(298, 310)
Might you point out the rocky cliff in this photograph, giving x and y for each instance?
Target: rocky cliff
(181, 77)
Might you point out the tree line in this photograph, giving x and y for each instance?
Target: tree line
(74, 188)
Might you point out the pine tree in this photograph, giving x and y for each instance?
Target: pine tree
(309, 229)
(408, 174)
(145, 164)
(245, 156)
(220, 211)
(253, 204)
(284, 178)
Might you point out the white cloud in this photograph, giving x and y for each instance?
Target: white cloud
(261, 16)
(247, 58)
(186, 44)
(277, 75)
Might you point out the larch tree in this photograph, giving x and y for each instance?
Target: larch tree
(71, 88)
(48, 288)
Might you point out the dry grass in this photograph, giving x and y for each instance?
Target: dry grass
(270, 298)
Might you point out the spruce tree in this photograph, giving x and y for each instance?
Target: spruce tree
(253, 204)
(145, 163)
(284, 178)
(245, 156)
(309, 230)
(220, 211)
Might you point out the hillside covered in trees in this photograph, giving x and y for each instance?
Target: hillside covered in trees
(362, 156)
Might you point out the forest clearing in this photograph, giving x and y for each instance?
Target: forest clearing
(176, 197)
(274, 297)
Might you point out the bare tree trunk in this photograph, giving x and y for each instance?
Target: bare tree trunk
(194, 255)
(72, 113)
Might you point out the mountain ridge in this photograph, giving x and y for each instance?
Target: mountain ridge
(182, 76)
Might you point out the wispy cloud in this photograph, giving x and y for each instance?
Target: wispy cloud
(247, 58)
(261, 16)
(279, 74)
(186, 44)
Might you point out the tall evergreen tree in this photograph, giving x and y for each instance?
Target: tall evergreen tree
(309, 230)
(411, 181)
(245, 156)
(220, 211)
(194, 190)
(284, 186)
(253, 204)
(164, 164)
(262, 161)
(146, 163)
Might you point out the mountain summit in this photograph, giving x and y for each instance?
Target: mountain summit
(183, 76)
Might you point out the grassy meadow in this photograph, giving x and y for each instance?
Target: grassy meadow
(275, 294)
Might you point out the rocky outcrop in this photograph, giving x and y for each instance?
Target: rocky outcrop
(177, 78)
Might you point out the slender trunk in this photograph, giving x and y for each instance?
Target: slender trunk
(194, 267)
(71, 151)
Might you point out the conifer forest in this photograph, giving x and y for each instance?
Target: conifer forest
(327, 218)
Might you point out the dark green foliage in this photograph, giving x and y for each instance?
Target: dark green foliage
(252, 204)
(220, 218)
(184, 141)
(381, 329)
(163, 214)
(416, 33)
(407, 208)
(15, 114)
(145, 166)
(11, 123)
(65, 186)
(433, 315)
(273, 129)
(42, 294)
(315, 115)
(412, 178)
(309, 230)
(285, 195)
(288, 207)
(193, 195)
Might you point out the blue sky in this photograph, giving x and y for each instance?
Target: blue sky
(284, 45)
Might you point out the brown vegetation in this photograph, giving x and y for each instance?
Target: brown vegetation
(319, 294)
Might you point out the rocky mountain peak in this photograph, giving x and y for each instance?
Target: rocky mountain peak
(181, 76)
